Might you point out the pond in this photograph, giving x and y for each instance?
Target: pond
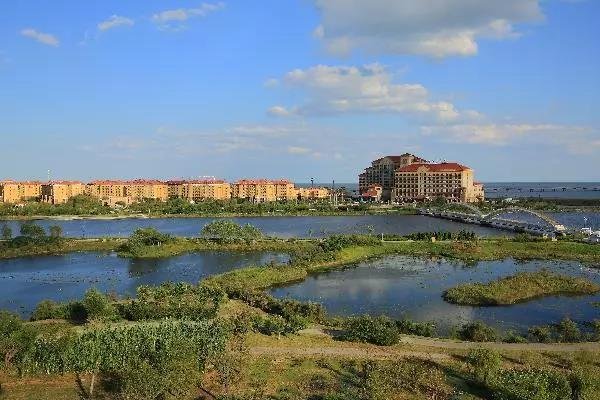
(24, 282)
(399, 286)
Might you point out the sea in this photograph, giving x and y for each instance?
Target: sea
(546, 190)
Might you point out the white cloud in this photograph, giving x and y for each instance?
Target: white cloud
(298, 150)
(435, 28)
(367, 89)
(181, 15)
(576, 139)
(115, 21)
(41, 37)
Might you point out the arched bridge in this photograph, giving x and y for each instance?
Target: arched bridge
(549, 220)
(474, 215)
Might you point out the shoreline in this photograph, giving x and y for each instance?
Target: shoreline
(382, 212)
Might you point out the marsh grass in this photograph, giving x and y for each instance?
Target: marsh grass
(519, 288)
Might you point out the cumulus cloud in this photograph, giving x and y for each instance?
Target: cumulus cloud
(114, 21)
(366, 89)
(576, 139)
(44, 38)
(180, 15)
(434, 28)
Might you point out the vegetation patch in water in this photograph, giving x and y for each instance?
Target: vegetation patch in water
(519, 288)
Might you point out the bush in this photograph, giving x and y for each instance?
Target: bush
(532, 384)
(568, 331)
(277, 325)
(31, 230)
(227, 231)
(172, 300)
(540, 334)
(513, 337)
(408, 327)
(477, 332)
(15, 340)
(48, 309)
(338, 242)
(485, 364)
(98, 306)
(386, 380)
(381, 330)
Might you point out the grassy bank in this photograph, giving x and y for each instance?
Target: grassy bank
(519, 288)
(180, 246)
(63, 246)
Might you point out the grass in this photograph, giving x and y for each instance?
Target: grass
(62, 247)
(178, 246)
(519, 288)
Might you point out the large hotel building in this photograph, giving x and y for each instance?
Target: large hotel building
(116, 192)
(409, 178)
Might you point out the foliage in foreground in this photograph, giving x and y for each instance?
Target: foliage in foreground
(531, 382)
(143, 361)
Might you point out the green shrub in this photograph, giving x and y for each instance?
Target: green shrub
(226, 231)
(408, 327)
(16, 339)
(477, 332)
(532, 384)
(585, 382)
(335, 243)
(513, 337)
(385, 380)
(173, 300)
(48, 309)
(98, 306)
(277, 325)
(376, 330)
(568, 331)
(485, 364)
(540, 334)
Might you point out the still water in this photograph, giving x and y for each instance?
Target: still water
(399, 286)
(283, 227)
(286, 227)
(24, 282)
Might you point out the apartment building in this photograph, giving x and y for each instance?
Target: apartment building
(199, 190)
(285, 190)
(452, 181)
(381, 173)
(263, 190)
(141, 189)
(59, 192)
(110, 192)
(15, 192)
(317, 193)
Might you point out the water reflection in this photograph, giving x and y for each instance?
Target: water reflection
(400, 286)
(24, 282)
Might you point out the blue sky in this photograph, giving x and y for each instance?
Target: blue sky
(298, 88)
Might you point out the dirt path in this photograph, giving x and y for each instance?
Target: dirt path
(457, 345)
(374, 353)
(426, 348)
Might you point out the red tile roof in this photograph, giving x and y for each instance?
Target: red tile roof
(441, 167)
(263, 182)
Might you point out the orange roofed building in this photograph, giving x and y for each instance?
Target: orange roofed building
(15, 192)
(452, 181)
(199, 190)
(59, 192)
(264, 190)
(381, 173)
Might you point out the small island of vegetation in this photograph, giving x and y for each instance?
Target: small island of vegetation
(519, 288)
